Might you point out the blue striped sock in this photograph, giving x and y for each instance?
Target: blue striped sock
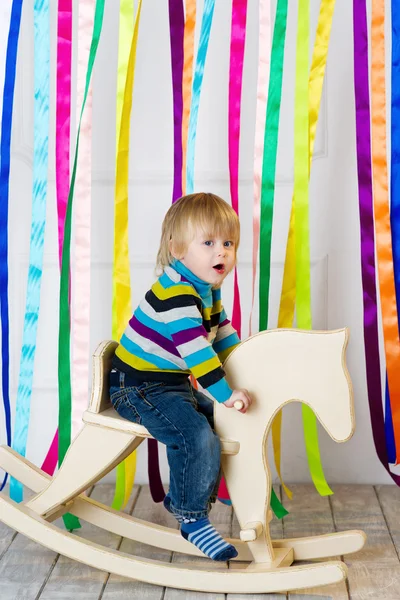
(207, 539)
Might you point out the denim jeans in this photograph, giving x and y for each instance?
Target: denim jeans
(180, 417)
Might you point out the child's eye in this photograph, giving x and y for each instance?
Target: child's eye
(228, 244)
(208, 242)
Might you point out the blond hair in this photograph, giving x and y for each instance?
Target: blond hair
(203, 210)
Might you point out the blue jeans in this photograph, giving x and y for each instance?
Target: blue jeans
(180, 417)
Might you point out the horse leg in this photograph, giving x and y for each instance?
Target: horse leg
(249, 483)
(94, 453)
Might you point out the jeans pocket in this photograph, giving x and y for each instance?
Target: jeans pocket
(122, 403)
(151, 392)
(116, 394)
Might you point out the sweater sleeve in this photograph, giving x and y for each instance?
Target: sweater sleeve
(190, 339)
(226, 339)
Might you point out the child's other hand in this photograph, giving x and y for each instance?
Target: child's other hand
(242, 396)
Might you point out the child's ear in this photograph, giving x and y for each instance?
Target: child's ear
(173, 251)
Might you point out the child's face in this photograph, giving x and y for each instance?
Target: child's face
(210, 258)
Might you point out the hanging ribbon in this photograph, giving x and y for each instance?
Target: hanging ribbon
(394, 197)
(288, 294)
(126, 16)
(363, 129)
(126, 19)
(39, 197)
(63, 122)
(268, 189)
(301, 170)
(188, 53)
(5, 17)
(238, 38)
(389, 433)
(64, 366)
(266, 139)
(206, 23)
(82, 229)
(264, 54)
(269, 158)
(382, 216)
(122, 307)
(63, 112)
(301, 183)
(176, 31)
(5, 147)
(153, 469)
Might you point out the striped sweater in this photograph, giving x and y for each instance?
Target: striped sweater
(179, 328)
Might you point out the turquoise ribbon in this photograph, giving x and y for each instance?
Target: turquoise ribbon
(40, 163)
(6, 126)
(197, 84)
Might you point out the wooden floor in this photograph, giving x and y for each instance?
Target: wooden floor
(29, 571)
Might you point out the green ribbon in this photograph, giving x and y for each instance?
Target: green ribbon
(269, 158)
(268, 179)
(277, 507)
(64, 336)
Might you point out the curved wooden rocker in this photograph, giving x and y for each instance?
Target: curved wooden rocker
(277, 367)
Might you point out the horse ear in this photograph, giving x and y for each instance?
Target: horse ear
(344, 334)
(347, 418)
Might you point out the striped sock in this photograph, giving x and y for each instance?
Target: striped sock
(207, 539)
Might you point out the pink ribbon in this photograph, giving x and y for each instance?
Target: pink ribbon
(264, 64)
(238, 37)
(63, 122)
(83, 195)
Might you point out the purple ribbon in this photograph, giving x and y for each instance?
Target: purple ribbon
(363, 129)
(176, 31)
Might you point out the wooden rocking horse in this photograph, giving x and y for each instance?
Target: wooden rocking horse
(276, 367)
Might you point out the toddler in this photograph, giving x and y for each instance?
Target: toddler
(179, 329)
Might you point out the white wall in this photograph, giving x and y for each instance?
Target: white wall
(335, 255)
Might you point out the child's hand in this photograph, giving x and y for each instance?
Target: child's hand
(239, 396)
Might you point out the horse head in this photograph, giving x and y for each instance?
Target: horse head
(288, 365)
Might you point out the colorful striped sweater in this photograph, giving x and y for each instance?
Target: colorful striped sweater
(179, 328)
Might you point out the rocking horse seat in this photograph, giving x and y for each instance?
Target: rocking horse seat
(111, 419)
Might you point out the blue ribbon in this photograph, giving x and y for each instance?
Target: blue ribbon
(206, 22)
(389, 431)
(394, 198)
(40, 164)
(5, 146)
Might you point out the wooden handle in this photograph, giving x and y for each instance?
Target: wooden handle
(238, 405)
(251, 531)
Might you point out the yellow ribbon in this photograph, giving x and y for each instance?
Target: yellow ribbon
(288, 294)
(122, 306)
(126, 13)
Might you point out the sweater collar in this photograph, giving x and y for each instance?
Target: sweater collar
(202, 287)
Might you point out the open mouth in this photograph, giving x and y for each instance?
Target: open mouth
(220, 268)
